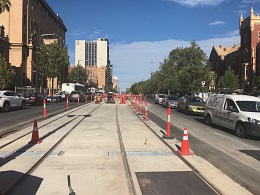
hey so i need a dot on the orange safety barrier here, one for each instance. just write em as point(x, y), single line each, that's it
point(44, 108)
point(35, 135)
point(185, 148)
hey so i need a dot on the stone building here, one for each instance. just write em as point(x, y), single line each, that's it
point(244, 58)
point(28, 24)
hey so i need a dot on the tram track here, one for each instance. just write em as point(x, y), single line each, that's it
point(196, 171)
point(33, 167)
point(27, 125)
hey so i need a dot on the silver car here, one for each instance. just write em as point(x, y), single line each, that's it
point(170, 101)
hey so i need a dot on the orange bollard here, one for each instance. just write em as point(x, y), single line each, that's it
point(140, 112)
point(35, 135)
point(67, 102)
point(44, 108)
point(185, 149)
point(146, 111)
point(168, 136)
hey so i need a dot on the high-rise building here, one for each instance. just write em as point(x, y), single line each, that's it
point(28, 24)
point(94, 56)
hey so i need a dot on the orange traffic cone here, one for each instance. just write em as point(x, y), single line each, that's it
point(185, 149)
point(35, 134)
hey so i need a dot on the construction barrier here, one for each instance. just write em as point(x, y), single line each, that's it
point(35, 135)
point(96, 99)
point(67, 102)
point(44, 108)
point(146, 111)
point(168, 136)
point(185, 148)
point(140, 110)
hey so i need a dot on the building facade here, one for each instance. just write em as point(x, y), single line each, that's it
point(243, 58)
point(94, 56)
point(28, 24)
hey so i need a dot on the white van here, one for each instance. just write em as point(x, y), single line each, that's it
point(240, 113)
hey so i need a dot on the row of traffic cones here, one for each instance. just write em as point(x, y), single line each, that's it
point(185, 148)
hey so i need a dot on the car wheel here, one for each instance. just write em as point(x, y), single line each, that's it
point(240, 130)
point(208, 120)
point(6, 107)
point(23, 105)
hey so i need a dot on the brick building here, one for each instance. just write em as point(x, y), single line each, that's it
point(28, 24)
point(244, 58)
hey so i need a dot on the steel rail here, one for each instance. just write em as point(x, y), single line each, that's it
point(45, 155)
point(196, 171)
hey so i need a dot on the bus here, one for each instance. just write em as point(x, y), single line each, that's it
point(69, 87)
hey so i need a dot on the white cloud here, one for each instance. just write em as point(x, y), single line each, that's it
point(232, 33)
point(194, 3)
point(132, 61)
point(94, 34)
point(217, 23)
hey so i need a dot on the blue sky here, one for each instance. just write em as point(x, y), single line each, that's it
point(143, 32)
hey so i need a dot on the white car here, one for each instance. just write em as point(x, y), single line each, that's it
point(10, 99)
point(240, 113)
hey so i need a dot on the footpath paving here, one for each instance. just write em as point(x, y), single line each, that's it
point(92, 156)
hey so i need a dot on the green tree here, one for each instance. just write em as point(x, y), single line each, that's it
point(229, 80)
point(5, 5)
point(184, 70)
point(7, 74)
point(78, 74)
point(53, 59)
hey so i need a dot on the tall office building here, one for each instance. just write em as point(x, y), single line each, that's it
point(28, 24)
point(94, 56)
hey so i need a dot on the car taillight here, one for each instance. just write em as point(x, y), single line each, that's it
point(34, 98)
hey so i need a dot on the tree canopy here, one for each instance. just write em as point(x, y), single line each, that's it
point(78, 74)
point(5, 5)
point(229, 80)
point(181, 73)
point(7, 74)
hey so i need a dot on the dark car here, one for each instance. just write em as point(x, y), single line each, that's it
point(191, 105)
point(74, 95)
point(54, 98)
point(34, 98)
point(110, 97)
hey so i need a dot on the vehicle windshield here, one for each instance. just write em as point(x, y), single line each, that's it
point(173, 98)
point(249, 106)
point(161, 96)
point(196, 99)
point(75, 92)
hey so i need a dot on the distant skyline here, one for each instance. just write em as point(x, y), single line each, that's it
point(142, 33)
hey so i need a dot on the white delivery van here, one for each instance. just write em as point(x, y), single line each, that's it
point(240, 113)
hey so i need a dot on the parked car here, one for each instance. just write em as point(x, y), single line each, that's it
point(34, 98)
point(63, 94)
point(74, 95)
point(240, 113)
point(54, 98)
point(158, 98)
point(10, 99)
point(191, 105)
point(170, 101)
point(110, 97)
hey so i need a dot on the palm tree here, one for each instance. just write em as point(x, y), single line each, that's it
point(5, 5)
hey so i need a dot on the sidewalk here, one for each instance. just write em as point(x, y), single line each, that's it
point(92, 157)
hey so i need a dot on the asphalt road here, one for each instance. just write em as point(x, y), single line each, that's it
point(236, 157)
point(17, 118)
